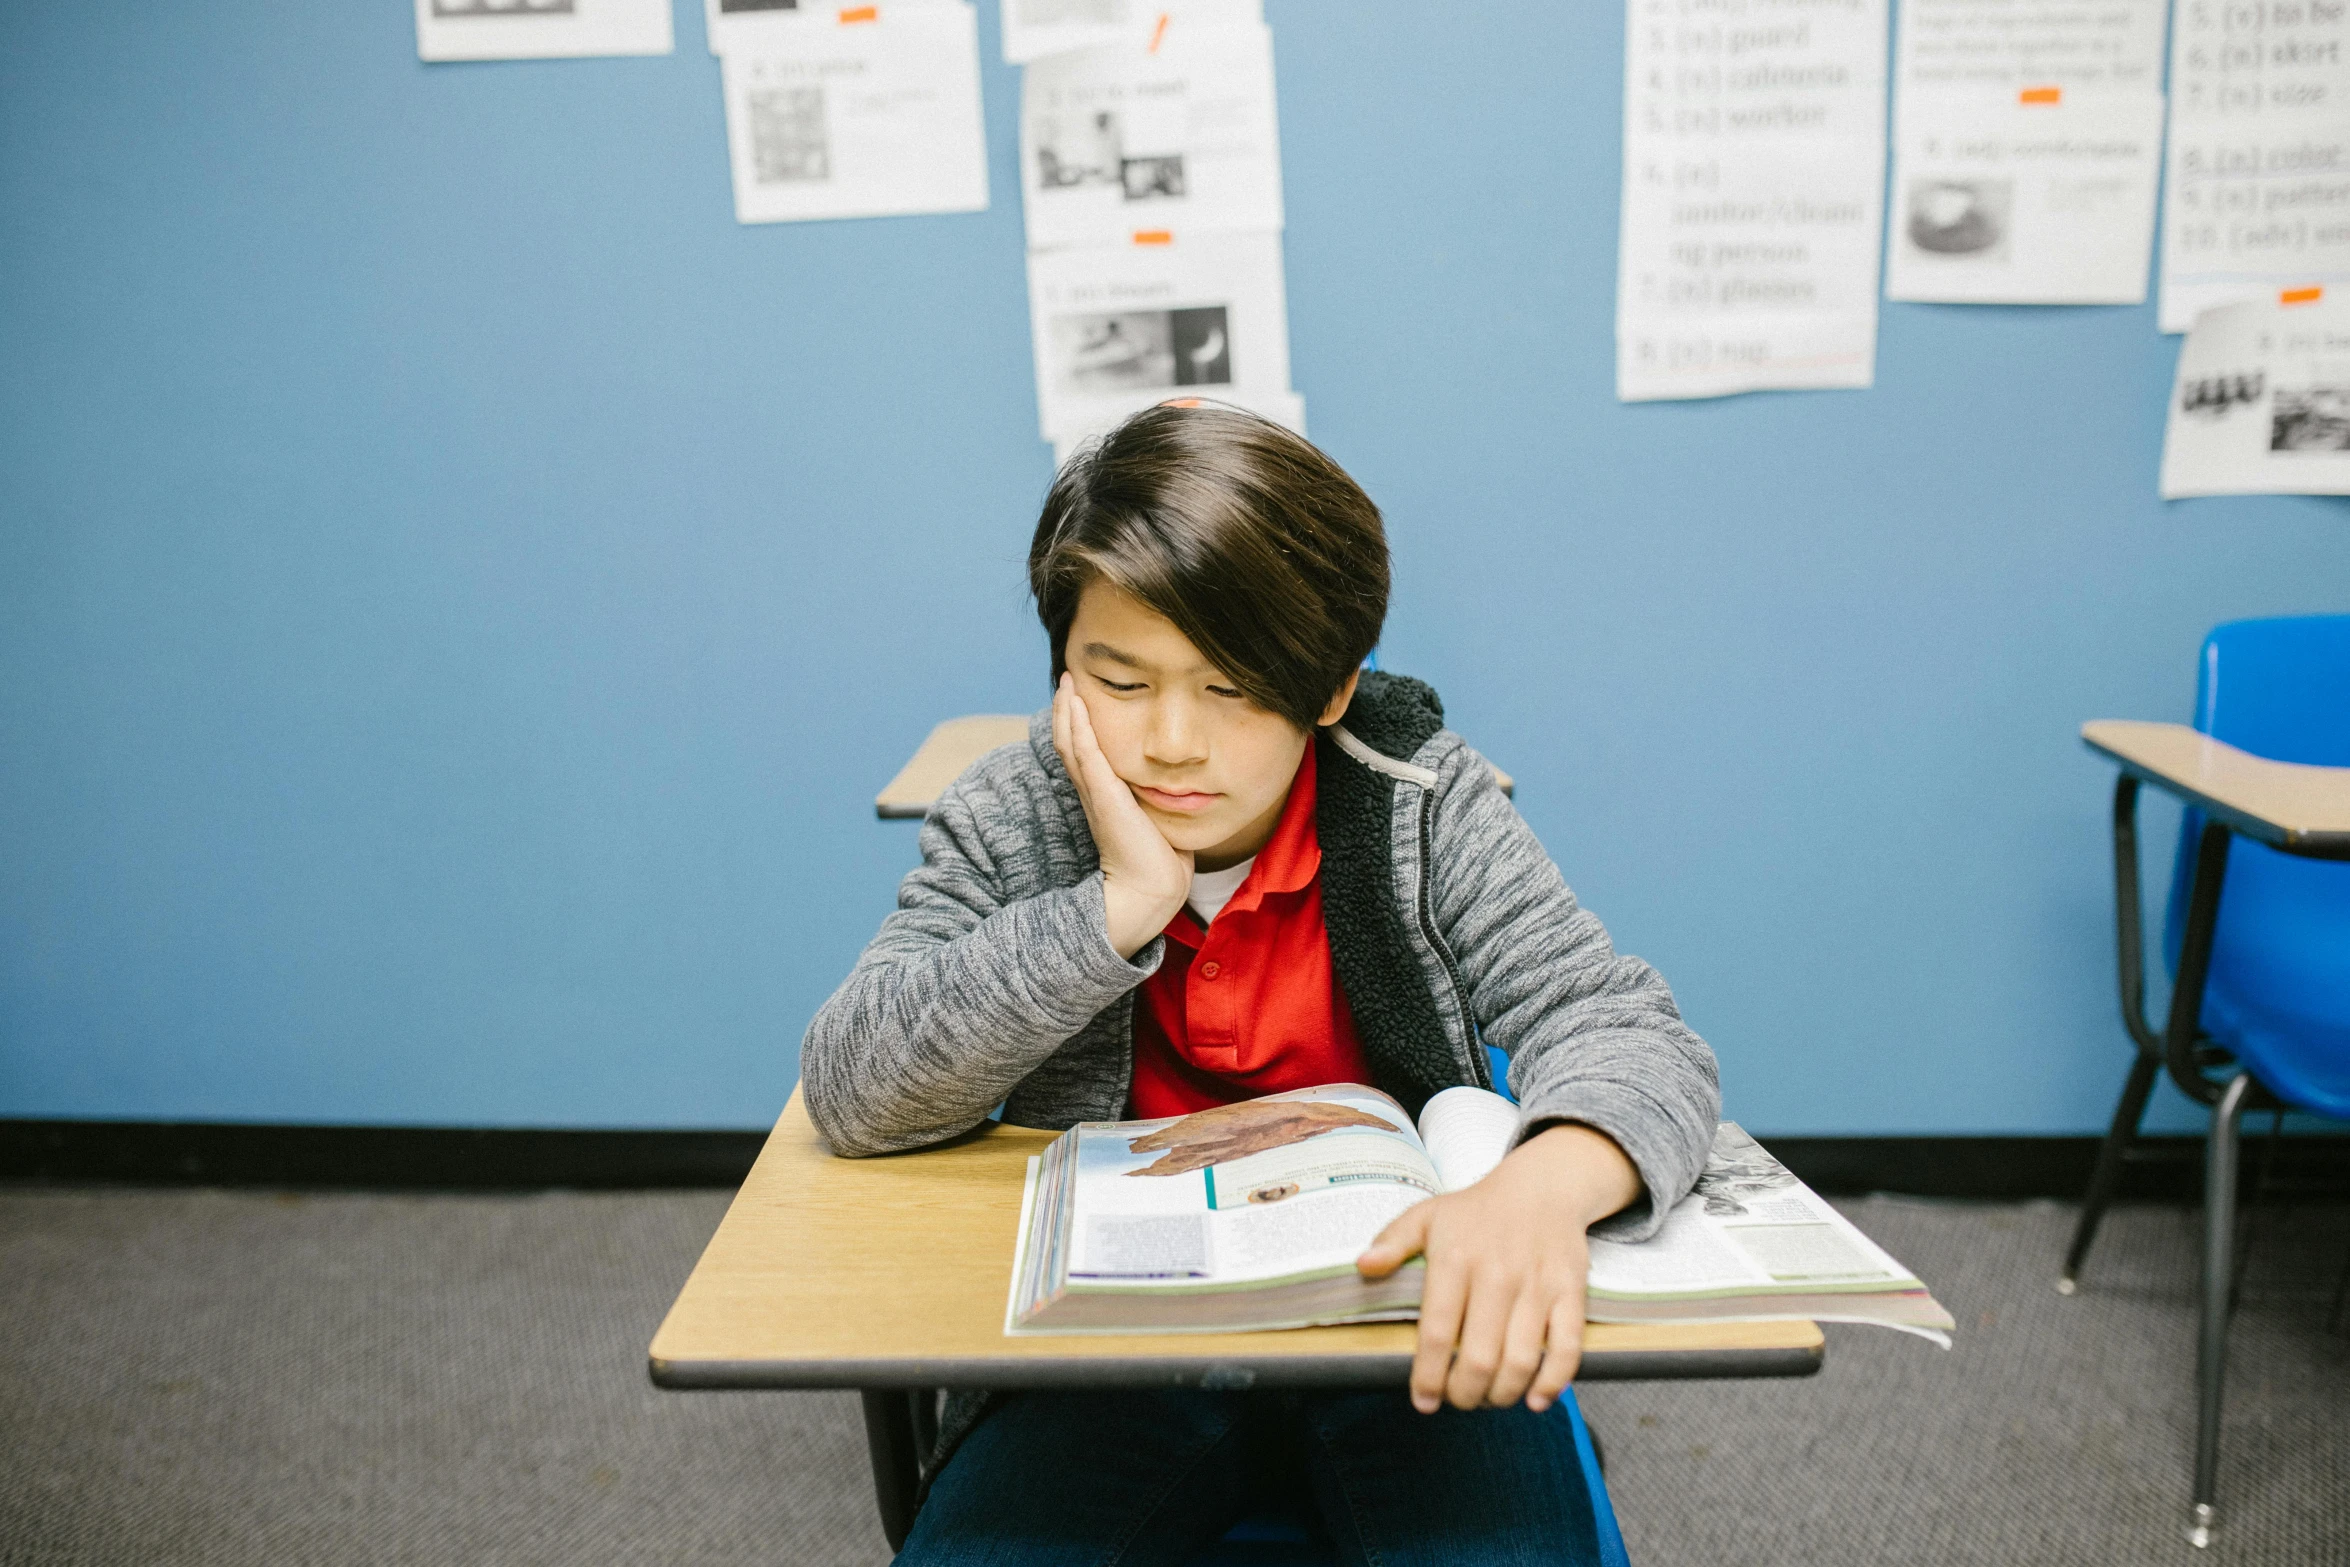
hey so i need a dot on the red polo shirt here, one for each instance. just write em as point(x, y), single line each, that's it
point(1250, 1005)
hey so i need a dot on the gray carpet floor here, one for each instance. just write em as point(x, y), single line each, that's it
point(209, 1377)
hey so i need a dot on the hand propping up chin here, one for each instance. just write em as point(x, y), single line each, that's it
point(1144, 877)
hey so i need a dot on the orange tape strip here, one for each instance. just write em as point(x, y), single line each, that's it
point(1158, 32)
point(2301, 296)
point(859, 13)
point(2040, 95)
point(1154, 237)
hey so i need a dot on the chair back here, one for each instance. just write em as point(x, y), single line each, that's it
point(2279, 688)
point(2278, 994)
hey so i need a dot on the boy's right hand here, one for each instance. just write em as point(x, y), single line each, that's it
point(1144, 877)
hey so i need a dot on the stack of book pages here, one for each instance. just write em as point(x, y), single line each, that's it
point(1251, 1215)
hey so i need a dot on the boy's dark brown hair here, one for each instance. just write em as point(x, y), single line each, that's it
point(1260, 549)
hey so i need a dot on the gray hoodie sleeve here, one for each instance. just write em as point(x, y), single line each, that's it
point(962, 993)
point(1592, 1035)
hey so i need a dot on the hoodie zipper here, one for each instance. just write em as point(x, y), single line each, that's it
point(1479, 1073)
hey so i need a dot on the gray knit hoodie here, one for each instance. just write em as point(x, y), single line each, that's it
point(994, 982)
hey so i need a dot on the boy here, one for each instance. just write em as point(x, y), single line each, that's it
point(1229, 863)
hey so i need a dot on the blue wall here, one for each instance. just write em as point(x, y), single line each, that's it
point(459, 592)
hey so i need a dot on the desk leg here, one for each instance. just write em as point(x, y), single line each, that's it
point(897, 1464)
point(2219, 1281)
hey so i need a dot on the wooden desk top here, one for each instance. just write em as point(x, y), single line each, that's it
point(2300, 809)
point(955, 745)
point(893, 1272)
point(951, 747)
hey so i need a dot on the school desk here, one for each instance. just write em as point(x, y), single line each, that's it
point(2299, 809)
point(890, 1275)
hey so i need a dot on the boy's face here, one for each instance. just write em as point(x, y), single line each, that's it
point(1210, 768)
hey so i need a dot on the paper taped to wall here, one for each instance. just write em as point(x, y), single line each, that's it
point(2259, 153)
point(2005, 47)
point(2046, 201)
point(2027, 145)
point(741, 24)
point(2262, 404)
point(540, 29)
point(873, 113)
point(1182, 137)
point(1036, 28)
point(1754, 161)
point(1118, 328)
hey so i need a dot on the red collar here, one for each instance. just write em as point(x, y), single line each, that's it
point(1289, 860)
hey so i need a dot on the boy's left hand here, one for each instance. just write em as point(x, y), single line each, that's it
point(1501, 1317)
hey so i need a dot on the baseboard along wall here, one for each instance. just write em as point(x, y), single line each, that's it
point(214, 1153)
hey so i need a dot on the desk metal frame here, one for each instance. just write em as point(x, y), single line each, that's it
point(2211, 778)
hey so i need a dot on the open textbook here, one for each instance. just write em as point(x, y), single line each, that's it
point(1251, 1215)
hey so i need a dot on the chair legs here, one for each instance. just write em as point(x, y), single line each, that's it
point(2110, 1158)
point(2220, 1164)
point(892, 1422)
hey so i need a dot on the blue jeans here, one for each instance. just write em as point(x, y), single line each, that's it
point(1156, 1477)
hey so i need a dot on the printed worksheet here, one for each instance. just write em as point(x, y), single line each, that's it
point(741, 24)
point(1036, 28)
point(1181, 137)
point(2262, 405)
point(2259, 156)
point(2003, 47)
point(540, 29)
point(1119, 327)
point(2046, 198)
point(1754, 163)
point(2027, 147)
point(865, 113)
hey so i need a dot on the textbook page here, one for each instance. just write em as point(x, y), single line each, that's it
point(736, 24)
point(1036, 28)
point(872, 114)
point(1750, 1229)
point(1117, 328)
point(1467, 1131)
point(2262, 404)
point(1181, 137)
point(2026, 151)
point(1268, 1188)
point(1754, 162)
point(1252, 1216)
point(540, 29)
point(2259, 153)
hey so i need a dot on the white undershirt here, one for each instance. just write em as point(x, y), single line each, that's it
point(1211, 890)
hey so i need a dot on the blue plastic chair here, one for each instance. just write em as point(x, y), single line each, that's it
point(2260, 1006)
point(2278, 993)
